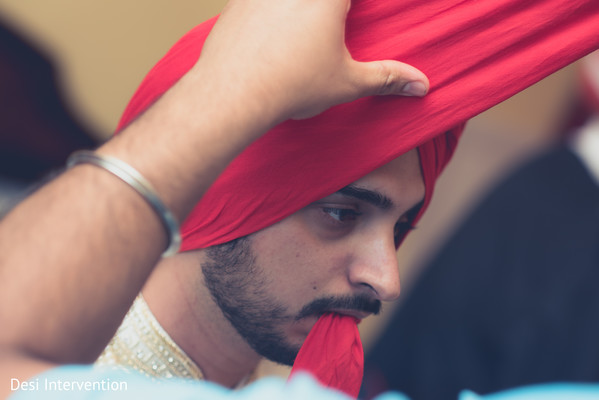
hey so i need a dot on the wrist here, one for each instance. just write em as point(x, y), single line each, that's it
point(183, 142)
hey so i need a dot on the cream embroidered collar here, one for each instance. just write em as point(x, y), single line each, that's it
point(141, 343)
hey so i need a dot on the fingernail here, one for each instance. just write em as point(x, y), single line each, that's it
point(415, 88)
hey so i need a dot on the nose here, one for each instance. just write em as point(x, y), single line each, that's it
point(375, 267)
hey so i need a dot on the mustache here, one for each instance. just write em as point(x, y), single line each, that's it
point(356, 303)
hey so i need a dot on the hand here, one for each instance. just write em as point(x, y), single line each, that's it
point(293, 54)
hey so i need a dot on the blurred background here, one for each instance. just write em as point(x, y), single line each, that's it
point(87, 58)
point(68, 68)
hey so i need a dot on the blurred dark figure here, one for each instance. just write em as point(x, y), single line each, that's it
point(37, 131)
point(513, 297)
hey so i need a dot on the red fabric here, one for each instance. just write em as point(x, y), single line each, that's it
point(589, 74)
point(475, 53)
point(332, 333)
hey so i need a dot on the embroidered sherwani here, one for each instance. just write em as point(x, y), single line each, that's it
point(142, 344)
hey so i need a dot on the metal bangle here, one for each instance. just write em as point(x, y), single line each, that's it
point(141, 185)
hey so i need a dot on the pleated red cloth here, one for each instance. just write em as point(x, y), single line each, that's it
point(333, 341)
point(475, 53)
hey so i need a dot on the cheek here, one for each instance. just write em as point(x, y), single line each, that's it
point(284, 253)
point(295, 259)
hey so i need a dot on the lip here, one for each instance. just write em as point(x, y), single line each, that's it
point(359, 315)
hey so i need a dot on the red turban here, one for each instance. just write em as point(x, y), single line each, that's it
point(475, 53)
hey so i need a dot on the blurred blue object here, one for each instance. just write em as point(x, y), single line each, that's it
point(552, 391)
point(89, 383)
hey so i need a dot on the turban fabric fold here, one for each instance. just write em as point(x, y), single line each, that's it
point(475, 53)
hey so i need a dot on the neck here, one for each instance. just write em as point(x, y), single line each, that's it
point(184, 308)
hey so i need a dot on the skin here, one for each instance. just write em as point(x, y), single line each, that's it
point(82, 278)
point(337, 254)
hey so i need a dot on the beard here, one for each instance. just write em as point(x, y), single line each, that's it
point(239, 287)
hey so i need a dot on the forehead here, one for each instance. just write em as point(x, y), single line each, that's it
point(400, 180)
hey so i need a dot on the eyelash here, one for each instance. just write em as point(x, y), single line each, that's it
point(401, 229)
point(341, 214)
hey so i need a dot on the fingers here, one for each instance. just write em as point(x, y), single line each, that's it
point(388, 78)
point(308, 68)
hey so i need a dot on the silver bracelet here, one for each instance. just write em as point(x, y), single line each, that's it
point(133, 178)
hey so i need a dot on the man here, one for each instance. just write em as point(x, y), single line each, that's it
point(77, 327)
point(262, 188)
point(259, 295)
point(98, 252)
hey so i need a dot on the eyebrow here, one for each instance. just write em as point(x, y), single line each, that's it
point(375, 198)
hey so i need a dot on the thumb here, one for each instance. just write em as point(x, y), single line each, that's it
point(388, 77)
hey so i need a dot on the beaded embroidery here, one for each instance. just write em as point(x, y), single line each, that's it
point(142, 344)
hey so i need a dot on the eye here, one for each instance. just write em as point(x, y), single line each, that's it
point(401, 229)
point(341, 215)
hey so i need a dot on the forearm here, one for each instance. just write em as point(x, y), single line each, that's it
point(87, 235)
